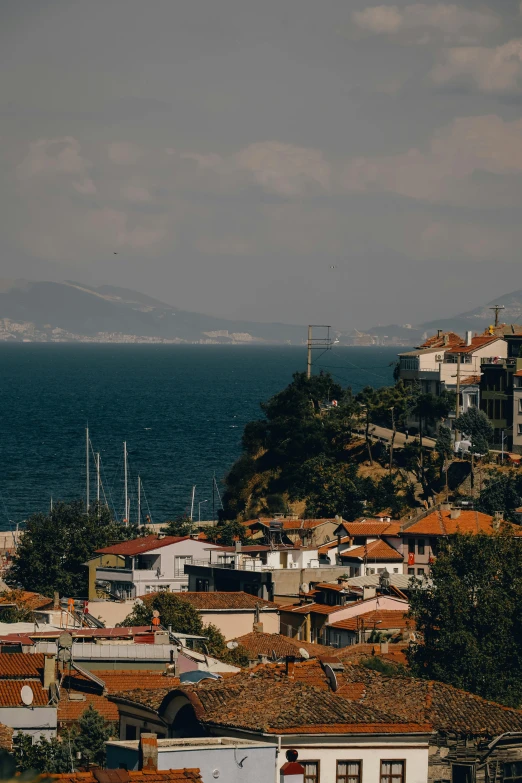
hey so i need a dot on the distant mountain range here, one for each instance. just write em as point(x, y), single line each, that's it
point(70, 311)
point(474, 320)
point(43, 311)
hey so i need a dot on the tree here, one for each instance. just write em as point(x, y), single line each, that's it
point(54, 547)
point(502, 492)
point(470, 619)
point(476, 425)
point(46, 755)
point(217, 647)
point(182, 526)
point(444, 448)
point(173, 611)
point(19, 612)
point(93, 733)
point(227, 534)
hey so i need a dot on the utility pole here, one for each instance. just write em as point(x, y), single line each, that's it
point(87, 468)
point(316, 343)
point(497, 308)
point(126, 482)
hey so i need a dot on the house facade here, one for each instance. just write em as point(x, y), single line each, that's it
point(149, 565)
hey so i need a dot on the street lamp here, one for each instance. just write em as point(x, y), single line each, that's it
point(199, 508)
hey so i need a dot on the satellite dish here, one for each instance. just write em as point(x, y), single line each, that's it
point(330, 675)
point(27, 695)
point(304, 653)
point(65, 640)
point(232, 645)
point(305, 587)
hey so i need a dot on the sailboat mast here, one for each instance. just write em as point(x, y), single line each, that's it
point(213, 497)
point(126, 484)
point(192, 503)
point(98, 482)
point(139, 501)
point(87, 499)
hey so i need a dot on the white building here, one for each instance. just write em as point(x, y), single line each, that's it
point(150, 564)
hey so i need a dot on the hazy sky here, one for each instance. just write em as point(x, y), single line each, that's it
point(232, 151)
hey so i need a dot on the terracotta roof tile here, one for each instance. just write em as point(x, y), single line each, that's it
point(21, 665)
point(438, 341)
point(440, 523)
point(138, 546)
point(130, 679)
point(71, 710)
point(258, 644)
point(24, 598)
point(119, 776)
point(316, 609)
point(375, 550)
point(383, 618)
point(10, 691)
point(221, 600)
point(372, 527)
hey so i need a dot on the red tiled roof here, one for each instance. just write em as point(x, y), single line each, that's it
point(372, 527)
point(130, 679)
point(471, 379)
point(10, 691)
point(258, 644)
point(316, 609)
point(476, 343)
point(71, 710)
point(330, 586)
point(437, 341)
point(24, 598)
point(383, 618)
point(440, 523)
point(138, 546)
point(221, 600)
point(122, 776)
point(325, 548)
point(304, 524)
point(375, 550)
point(21, 665)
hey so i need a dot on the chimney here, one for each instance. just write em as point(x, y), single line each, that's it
point(446, 339)
point(257, 627)
point(49, 671)
point(455, 513)
point(149, 752)
point(469, 338)
point(263, 658)
point(292, 771)
point(384, 647)
point(497, 519)
point(237, 546)
point(445, 506)
point(290, 665)
point(439, 332)
point(56, 604)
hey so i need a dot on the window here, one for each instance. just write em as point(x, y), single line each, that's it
point(513, 772)
point(411, 572)
point(420, 546)
point(420, 571)
point(348, 772)
point(462, 773)
point(359, 540)
point(434, 545)
point(201, 585)
point(520, 404)
point(520, 429)
point(163, 588)
point(411, 545)
point(130, 732)
point(311, 774)
point(392, 771)
point(395, 570)
point(180, 562)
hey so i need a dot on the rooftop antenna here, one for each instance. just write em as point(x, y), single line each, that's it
point(323, 343)
point(497, 309)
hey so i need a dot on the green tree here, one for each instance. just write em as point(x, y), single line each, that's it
point(502, 492)
point(46, 755)
point(476, 425)
point(217, 647)
point(227, 533)
point(93, 733)
point(173, 611)
point(53, 548)
point(470, 620)
point(182, 526)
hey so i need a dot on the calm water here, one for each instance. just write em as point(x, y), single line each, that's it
point(181, 409)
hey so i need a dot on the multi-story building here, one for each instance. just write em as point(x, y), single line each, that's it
point(149, 565)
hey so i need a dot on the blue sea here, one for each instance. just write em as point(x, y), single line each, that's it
point(181, 410)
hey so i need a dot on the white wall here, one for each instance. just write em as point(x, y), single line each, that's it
point(371, 753)
point(35, 721)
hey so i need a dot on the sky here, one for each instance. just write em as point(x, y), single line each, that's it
point(344, 161)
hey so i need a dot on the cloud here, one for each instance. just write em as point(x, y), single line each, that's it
point(86, 186)
point(490, 70)
point(443, 172)
point(422, 21)
point(53, 156)
point(282, 169)
point(124, 153)
point(136, 194)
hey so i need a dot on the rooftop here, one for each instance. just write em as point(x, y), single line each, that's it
point(372, 527)
point(383, 618)
point(271, 644)
point(138, 546)
point(122, 776)
point(440, 523)
point(222, 601)
point(375, 550)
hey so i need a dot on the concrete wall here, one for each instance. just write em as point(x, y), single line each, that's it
point(36, 721)
point(258, 764)
point(286, 581)
point(111, 612)
point(232, 624)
